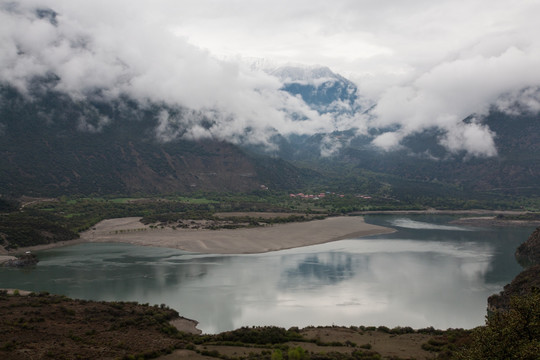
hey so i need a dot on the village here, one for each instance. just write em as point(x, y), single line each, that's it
point(323, 195)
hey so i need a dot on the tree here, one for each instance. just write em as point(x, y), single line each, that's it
point(277, 355)
point(297, 354)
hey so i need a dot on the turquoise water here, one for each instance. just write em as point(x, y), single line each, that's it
point(428, 273)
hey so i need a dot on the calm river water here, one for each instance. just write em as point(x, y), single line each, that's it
point(428, 273)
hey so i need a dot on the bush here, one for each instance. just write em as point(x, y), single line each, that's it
point(366, 355)
point(297, 354)
point(384, 329)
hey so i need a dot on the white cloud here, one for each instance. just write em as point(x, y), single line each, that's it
point(475, 138)
point(427, 64)
point(151, 64)
point(389, 140)
point(444, 96)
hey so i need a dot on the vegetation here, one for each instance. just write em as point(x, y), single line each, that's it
point(89, 329)
point(529, 216)
point(512, 334)
point(258, 335)
point(528, 253)
point(43, 326)
point(43, 221)
point(40, 325)
point(8, 205)
point(33, 227)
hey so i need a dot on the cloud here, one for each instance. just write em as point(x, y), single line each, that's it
point(451, 91)
point(426, 64)
point(221, 99)
point(475, 138)
point(522, 101)
point(388, 140)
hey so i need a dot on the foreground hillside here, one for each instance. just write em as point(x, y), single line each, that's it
point(43, 326)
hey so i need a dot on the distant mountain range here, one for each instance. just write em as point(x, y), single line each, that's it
point(53, 144)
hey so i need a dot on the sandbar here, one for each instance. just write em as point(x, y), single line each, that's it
point(6, 258)
point(228, 241)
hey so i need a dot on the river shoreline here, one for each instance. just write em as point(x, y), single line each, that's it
point(493, 221)
point(440, 212)
point(261, 239)
point(5, 258)
point(230, 241)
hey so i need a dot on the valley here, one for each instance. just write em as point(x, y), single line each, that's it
point(284, 180)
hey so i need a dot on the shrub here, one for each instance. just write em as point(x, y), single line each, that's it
point(297, 354)
point(384, 329)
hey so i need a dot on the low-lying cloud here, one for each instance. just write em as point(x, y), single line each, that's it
point(452, 91)
point(224, 100)
point(126, 48)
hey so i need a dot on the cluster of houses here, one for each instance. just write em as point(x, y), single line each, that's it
point(314, 196)
point(363, 197)
point(323, 195)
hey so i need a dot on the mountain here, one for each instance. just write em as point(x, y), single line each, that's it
point(320, 88)
point(51, 144)
point(328, 93)
point(514, 171)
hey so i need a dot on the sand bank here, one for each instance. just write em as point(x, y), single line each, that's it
point(6, 258)
point(493, 221)
point(186, 325)
point(235, 241)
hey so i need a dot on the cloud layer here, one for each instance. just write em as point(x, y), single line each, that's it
point(426, 64)
point(150, 64)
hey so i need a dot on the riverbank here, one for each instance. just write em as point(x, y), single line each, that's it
point(5, 258)
point(493, 221)
point(226, 241)
point(440, 212)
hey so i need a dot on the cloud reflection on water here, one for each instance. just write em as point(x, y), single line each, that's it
point(374, 283)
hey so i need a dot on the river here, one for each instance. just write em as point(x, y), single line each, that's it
point(428, 273)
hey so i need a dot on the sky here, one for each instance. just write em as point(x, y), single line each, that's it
point(426, 64)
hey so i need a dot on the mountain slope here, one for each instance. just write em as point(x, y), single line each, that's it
point(515, 170)
point(51, 144)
